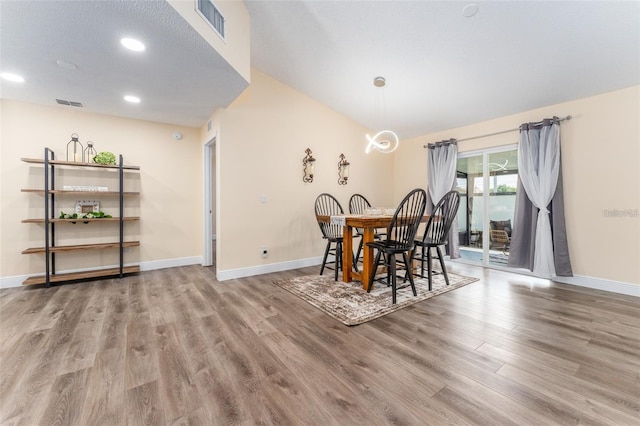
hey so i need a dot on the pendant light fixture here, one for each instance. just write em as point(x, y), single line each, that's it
point(385, 141)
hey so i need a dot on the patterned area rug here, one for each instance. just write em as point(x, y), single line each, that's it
point(351, 305)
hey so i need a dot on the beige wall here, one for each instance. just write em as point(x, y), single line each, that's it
point(261, 140)
point(601, 163)
point(170, 182)
point(262, 137)
point(235, 48)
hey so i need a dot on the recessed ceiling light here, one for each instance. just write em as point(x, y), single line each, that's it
point(12, 77)
point(132, 99)
point(66, 64)
point(132, 44)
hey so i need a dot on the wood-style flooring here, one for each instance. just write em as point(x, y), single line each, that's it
point(176, 346)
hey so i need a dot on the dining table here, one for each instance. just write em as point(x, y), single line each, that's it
point(368, 224)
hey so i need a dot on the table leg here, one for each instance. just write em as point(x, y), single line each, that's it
point(367, 260)
point(347, 254)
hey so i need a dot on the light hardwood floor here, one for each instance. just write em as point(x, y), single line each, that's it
point(177, 347)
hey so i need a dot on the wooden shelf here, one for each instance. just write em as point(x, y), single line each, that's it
point(40, 279)
point(76, 164)
point(60, 249)
point(82, 220)
point(50, 222)
point(68, 191)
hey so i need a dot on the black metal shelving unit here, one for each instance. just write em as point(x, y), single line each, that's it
point(50, 248)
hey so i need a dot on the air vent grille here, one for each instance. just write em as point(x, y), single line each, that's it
point(212, 15)
point(69, 103)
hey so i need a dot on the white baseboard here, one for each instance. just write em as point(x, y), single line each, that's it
point(16, 281)
point(170, 263)
point(601, 284)
point(619, 287)
point(230, 274)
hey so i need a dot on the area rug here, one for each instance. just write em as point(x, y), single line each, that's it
point(351, 305)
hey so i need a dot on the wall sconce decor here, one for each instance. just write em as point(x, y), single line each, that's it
point(307, 166)
point(343, 170)
point(75, 150)
point(89, 152)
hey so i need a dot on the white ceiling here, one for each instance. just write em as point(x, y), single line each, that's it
point(180, 78)
point(443, 69)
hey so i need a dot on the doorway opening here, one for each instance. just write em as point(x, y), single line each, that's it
point(209, 243)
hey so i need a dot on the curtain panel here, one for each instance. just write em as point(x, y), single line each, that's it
point(539, 240)
point(442, 160)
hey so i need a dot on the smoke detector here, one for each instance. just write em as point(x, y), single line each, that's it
point(379, 82)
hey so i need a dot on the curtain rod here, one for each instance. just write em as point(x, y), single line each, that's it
point(568, 117)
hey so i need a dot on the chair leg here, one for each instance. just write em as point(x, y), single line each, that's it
point(355, 260)
point(373, 273)
point(429, 270)
point(324, 259)
point(444, 269)
point(422, 249)
point(392, 272)
point(413, 285)
point(387, 261)
point(338, 260)
point(409, 266)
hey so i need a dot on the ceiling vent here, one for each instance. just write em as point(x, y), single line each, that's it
point(69, 103)
point(212, 15)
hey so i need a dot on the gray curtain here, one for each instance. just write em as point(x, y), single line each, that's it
point(442, 161)
point(522, 252)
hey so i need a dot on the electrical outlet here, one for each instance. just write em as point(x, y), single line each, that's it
point(264, 252)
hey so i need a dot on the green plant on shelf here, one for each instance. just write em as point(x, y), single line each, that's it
point(96, 215)
point(64, 215)
point(105, 157)
point(90, 215)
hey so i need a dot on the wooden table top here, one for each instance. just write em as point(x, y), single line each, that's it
point(361, 221)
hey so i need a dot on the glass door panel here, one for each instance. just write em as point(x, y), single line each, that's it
point(502, 168)
point(471, 212)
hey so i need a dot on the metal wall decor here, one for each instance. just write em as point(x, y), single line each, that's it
point(89, 152)
point(75, 150)
point(343, 170)
point(307, 166)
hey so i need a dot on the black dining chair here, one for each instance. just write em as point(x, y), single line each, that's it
point(401, 233)
point(328, 205)
point(358, 204)
point(436, 234)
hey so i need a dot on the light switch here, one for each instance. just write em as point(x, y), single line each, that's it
point(263, 198)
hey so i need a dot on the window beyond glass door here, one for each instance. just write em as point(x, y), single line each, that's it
point(471, 211)
point(502, 168)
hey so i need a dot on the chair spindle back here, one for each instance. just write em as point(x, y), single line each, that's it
point(328, 205)
point(406, 220)
point(440, 221)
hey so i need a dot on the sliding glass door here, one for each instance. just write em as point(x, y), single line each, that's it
point(487, 183)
